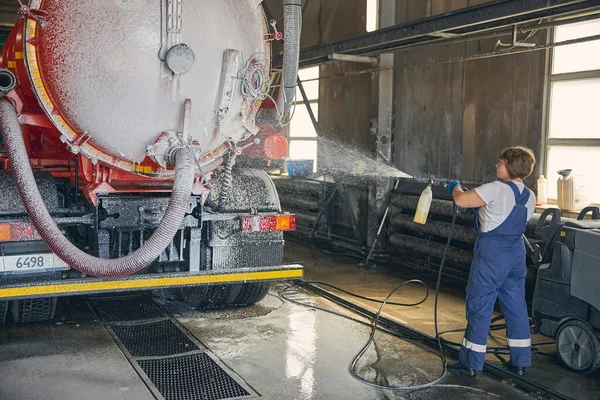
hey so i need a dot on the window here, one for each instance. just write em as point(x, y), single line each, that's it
point(302, 134)
point(574, 121)
point(372, 11)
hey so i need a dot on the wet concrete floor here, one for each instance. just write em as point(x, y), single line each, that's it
point(282, 350)
point(344, 273)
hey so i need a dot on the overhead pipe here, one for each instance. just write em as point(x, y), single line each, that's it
point(51, 233)
point(292, 28)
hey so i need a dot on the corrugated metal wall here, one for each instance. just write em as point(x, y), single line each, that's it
point(452, 119)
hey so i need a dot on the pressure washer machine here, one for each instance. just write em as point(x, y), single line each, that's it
point(566, 301)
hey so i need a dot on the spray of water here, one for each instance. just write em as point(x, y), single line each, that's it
point(339, 159)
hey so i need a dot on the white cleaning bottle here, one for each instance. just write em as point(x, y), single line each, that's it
point(424, 205)
point(542, 190)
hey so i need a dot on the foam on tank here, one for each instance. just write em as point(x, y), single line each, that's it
point(101, 68)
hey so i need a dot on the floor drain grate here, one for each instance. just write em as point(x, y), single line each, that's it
point(173, 364)
point(156, 339)
point(122, 309)
point(191, 377)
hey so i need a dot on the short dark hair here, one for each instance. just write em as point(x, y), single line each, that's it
point(520, 161)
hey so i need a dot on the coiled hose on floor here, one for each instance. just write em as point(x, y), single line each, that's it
point(51, 233)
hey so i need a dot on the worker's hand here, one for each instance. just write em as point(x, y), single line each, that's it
point(450, 187)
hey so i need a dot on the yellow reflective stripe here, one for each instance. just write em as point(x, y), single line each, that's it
point(18, 55)
point(12, 64)
point(518, 342)
point(95, 286)
point(479, 348)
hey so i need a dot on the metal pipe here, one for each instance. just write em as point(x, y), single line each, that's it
point(572, 20)
point(51, 233)
point(461, 233)
point(428, 247)
point(462, 58)
point(292, 20)
point(300, 203)
point(439, 207)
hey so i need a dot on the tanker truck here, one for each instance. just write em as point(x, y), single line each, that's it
point(121, 123)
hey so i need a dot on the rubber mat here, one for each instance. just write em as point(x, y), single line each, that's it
point(171, 362)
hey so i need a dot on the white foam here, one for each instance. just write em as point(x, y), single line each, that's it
point(106, 77)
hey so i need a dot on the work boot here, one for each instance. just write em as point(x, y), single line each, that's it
point(459, 368)
point(517, 370)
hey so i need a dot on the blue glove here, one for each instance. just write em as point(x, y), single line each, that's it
point(450, 187)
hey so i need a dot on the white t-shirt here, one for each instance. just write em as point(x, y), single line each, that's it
point(499, 202)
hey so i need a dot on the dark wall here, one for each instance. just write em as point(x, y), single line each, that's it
point(344, 103)
point(452, 119)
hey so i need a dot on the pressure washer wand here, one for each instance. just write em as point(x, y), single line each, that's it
point(387, 211)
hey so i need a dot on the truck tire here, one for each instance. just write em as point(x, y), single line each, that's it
point(578, 346)
point(33, 310)
point(250, 190)
point(208, 297)
point(251, 293)
point(3, 311)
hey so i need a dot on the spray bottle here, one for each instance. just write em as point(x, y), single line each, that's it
point(424, 204)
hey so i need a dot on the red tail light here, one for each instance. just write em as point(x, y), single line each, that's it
point(268, 223)
point(18, 232)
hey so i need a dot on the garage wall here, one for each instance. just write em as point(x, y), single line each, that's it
point(344, 103)
point(453, 119)
point(8, 12)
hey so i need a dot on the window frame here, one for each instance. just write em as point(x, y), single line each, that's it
point(548, 141)
point(299, 101)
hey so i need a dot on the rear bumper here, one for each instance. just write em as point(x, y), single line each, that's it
point(148, 282)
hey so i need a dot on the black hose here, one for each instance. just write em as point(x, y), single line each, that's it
point(497, 351)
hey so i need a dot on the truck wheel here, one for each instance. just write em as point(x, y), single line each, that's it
point(3, 311)
point(250, 190)
point(578, 347)
point(251, 293)
point(206, 297)
point(33, 310)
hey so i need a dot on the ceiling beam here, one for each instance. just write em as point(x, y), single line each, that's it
point(463, 22)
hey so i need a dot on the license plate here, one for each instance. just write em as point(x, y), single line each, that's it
point(33, 263)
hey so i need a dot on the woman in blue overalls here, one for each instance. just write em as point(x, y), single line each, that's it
point(498, 271)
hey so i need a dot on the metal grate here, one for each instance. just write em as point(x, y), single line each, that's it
point(192, 377)
point(155, 339)
point(121, 309)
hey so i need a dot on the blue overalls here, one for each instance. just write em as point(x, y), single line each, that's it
point(498, 272)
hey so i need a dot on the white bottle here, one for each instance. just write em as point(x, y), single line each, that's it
point(572, 192)
point(424, 205)
point(542, 190)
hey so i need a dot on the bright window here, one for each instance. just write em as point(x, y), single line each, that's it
point(372, 11)
point(574, 118)
point(303, 136)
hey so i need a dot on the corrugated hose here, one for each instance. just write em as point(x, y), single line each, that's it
point(51, 233)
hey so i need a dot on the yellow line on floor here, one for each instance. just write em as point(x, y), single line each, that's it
point(102, 286)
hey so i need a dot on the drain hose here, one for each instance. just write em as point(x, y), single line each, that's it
point(292, 27)
point(51, 233)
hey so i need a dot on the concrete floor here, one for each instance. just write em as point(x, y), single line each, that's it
point(282, 350)
point(378, 283)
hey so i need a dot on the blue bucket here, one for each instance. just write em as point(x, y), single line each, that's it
point(299, 167)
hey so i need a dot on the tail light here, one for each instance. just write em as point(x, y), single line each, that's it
point(18, 232)
point(268, 223)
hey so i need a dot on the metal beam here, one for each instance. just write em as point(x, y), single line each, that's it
point(483, 17)
point(354, 59)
